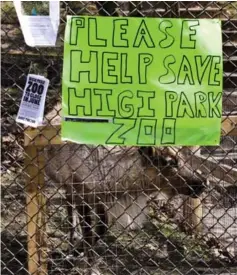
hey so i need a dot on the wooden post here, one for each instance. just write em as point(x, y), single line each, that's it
point(192, 208)
point(36, 209)
point(192, 211)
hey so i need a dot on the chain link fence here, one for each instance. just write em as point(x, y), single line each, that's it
point(104, 230)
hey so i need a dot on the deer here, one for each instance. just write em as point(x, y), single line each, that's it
point(108, 184)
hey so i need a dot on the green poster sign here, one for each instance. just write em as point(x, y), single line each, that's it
point(142, 81)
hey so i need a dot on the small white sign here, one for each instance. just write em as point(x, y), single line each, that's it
point(39, 21)
point(31, 110)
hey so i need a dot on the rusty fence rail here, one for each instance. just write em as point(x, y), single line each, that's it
point(44, 215)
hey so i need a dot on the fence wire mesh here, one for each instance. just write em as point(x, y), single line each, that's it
point(100, 217)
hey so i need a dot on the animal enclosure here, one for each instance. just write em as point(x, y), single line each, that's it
point(70, 208)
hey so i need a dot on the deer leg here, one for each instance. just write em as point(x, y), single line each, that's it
point(102, 225)
point(86, 226)
point(74, 237)
point(70, 219)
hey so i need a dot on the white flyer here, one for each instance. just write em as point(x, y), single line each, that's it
point(39, 21)
point(31, 110)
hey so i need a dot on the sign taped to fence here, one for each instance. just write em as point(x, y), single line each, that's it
point(31, 110)
point(142, 81)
